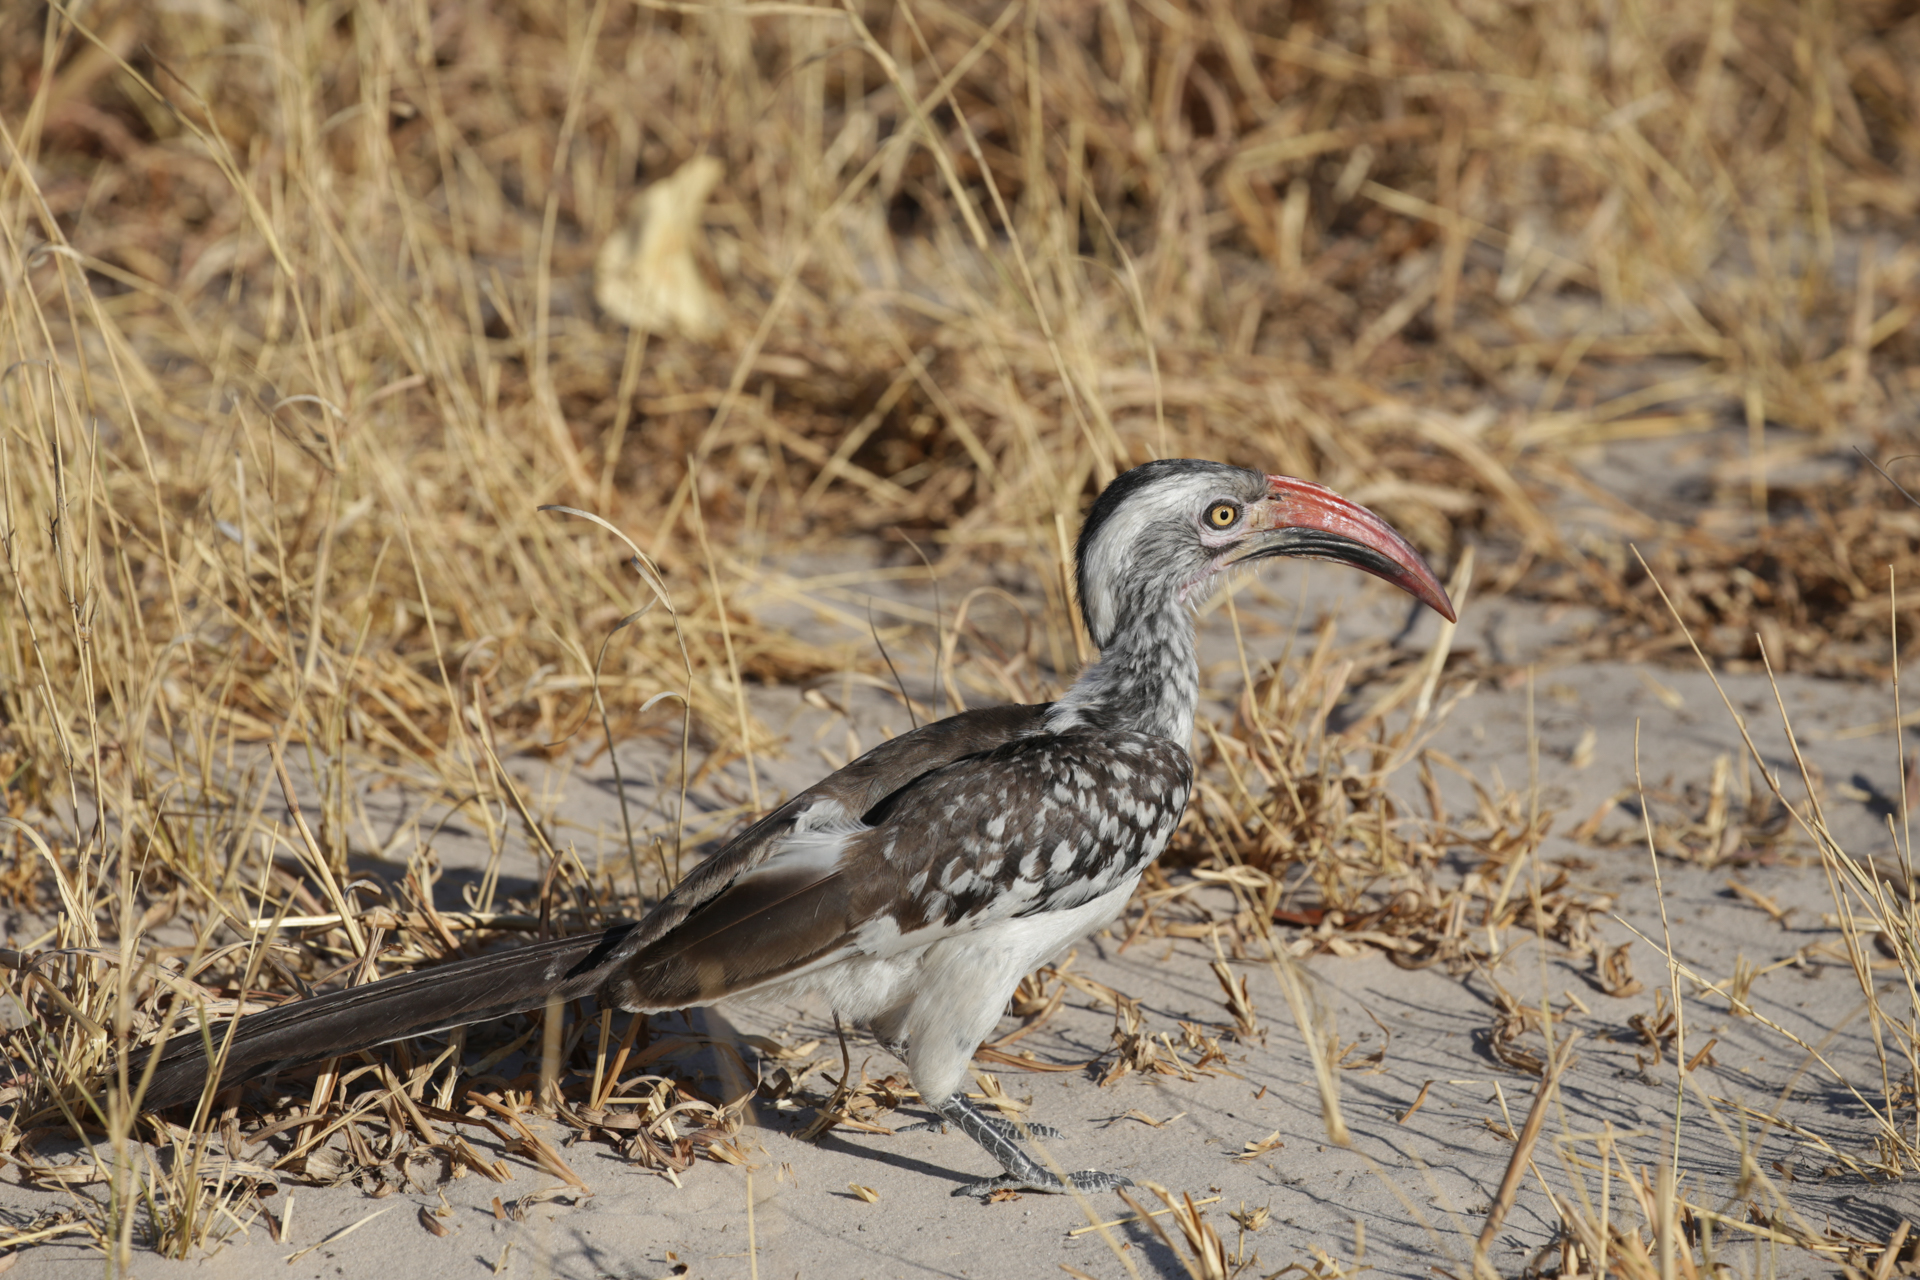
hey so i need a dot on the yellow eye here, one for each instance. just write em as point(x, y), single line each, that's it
point(1222, 515)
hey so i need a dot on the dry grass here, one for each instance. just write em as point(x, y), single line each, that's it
point(1654, 1225)
point(297, 336)
point(1808, 587)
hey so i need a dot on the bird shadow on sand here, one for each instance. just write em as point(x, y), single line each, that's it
point(879, 1154)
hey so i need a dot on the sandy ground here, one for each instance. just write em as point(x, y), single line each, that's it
point(1409, 1194)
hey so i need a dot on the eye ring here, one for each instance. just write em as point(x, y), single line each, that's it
point(1223, 515)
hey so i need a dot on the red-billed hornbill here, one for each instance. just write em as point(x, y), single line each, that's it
point(913, 888)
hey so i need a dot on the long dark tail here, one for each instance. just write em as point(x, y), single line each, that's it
point(411, 1004)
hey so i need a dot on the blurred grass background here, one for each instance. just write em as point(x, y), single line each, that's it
point(300, 328)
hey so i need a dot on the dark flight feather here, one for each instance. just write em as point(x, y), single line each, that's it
point(525, 978)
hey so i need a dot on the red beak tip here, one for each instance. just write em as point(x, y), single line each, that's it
point(1316, 506)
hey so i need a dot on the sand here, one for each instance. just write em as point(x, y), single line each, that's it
point(1245, 1134)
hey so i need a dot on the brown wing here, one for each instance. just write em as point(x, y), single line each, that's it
point(1038, 824)
point(500, 983)
point(842, 798)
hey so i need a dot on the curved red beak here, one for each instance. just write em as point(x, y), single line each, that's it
point(1308, 521)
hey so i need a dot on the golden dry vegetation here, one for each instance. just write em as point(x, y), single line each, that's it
point(300, 331)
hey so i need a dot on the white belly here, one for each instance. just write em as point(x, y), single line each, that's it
point(947, 992)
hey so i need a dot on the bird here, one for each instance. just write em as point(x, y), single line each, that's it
point(914, 887)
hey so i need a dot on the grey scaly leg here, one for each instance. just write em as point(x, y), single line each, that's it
point(1023, 1172)
point(895, 1043)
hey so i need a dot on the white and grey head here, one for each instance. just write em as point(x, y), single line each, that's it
point(1161, 537)
point(1162, 534)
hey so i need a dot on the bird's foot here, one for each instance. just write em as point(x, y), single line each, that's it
point(1020, 1171)
point(1005, 1128)
point(1087, 1180)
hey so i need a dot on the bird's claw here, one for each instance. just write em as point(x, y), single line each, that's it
point(1087, 1180)
point(1033, 1129)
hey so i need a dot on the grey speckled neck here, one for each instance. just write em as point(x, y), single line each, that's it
point(1147, 681)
